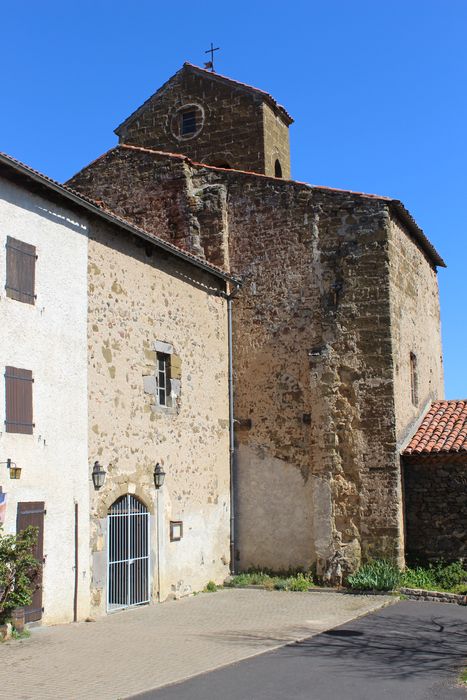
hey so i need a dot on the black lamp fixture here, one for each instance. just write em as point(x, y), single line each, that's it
point(98, 475)
point(159, 476)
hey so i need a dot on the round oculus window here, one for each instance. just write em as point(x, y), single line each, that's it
point(187, 122)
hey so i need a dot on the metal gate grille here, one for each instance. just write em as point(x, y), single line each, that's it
point(128, 553)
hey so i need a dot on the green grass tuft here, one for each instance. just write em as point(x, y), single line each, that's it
point(378, 575)
point(271, 581)
point(210, 587)
point(382, 575)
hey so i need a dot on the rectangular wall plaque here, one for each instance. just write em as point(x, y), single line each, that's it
point(176, 530)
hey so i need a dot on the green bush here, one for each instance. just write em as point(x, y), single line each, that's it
point(18, 571)
point(300, 582)
point(379, 575)
point(210, 587)
point(450, 575)
point(419, 577)
point(280, 584)
point(440, 576)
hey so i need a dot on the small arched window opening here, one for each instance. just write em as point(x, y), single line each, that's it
point(413, 379)
point(277, 168)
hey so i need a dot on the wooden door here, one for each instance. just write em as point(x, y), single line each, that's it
point(32, 513)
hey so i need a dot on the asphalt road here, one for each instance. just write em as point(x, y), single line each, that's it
point(409, 651)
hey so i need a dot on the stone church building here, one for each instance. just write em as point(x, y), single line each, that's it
point(336, 328)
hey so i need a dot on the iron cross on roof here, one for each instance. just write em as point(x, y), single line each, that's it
point(210, 64)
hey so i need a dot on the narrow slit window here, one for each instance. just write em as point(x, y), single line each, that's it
point(277, 169)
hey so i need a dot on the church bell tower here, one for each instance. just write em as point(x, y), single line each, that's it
point(214, 120)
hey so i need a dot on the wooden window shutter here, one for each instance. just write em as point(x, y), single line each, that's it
point(32, 513)
point(20, 270)
point(18, 400)
point(175, 369)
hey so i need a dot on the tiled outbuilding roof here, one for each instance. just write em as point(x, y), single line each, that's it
point(443, 430)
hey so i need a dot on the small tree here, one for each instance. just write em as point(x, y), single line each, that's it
point(18, 570)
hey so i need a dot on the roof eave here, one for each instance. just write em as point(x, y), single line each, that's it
point(139, 109)
point(249, 88)
point(92, 208)
point(417, 233)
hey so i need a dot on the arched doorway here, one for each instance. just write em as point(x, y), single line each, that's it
point(128, 553)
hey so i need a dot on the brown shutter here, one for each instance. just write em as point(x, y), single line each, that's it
point(175, 367)
point(32, 513)
point(20, 270)
point(18, 400)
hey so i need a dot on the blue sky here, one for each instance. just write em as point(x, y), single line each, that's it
point(377, 90)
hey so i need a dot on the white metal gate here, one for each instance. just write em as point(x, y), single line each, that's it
point(127, 553)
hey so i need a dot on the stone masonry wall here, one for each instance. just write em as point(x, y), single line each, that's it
point(313, 373)
point(139, 297)
point(436, 509)
point(415, 328)
point(276, 143)
point(232, 131)
point(317, 454)
point(151, 191)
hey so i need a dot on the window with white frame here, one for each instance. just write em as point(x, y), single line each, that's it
point(163, 379)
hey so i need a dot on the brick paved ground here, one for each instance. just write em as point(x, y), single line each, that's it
point(143, 648)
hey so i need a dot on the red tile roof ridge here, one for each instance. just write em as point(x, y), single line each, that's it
point(397, 205)
point(213, 74)
point(181, 156)
point(443, 430)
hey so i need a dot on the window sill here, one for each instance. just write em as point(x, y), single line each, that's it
point(167, 410)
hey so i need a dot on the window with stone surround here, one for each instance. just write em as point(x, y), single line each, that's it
point(162, 378)
point(413, 379)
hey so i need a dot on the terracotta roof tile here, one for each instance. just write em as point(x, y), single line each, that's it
point(442, 431)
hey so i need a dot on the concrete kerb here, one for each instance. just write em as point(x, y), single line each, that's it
point(422, 594)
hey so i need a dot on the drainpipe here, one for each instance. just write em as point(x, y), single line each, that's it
point(230, 298)
point(75, 596)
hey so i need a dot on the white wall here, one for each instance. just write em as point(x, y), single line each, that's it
point(49, 338)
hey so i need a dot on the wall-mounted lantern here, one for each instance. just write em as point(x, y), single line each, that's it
point(98, 475)
point(15, 472)
point(159, 476)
